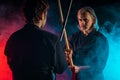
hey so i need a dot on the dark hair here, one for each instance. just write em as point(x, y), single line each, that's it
point(34, 9)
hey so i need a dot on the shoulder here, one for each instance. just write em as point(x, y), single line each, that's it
point(101, 36)
point(15, 34)
point(102, 39)
point(49, 35)
point(74, 35)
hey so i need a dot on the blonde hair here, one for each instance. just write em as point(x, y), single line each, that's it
point(92, 12)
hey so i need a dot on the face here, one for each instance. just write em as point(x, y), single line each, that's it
point(85, 21)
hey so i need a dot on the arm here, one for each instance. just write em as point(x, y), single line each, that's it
point(101, 54)
point(60, 60)
point(9, 50)
point(97, 56)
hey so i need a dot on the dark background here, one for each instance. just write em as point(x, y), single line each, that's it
point(13, 8)
point(107, 11)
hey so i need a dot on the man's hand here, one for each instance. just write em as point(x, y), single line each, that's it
point(68, 54)
point(76, 69)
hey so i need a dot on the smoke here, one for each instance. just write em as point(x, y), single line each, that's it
point(109, 18)
point(10, 21)
point(109, 21)
point(111, 29)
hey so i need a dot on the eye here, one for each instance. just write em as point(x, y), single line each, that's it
point(80, 19)
point(86, 20)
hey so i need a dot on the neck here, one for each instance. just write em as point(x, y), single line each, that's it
point(39, 24)
point(86, 32)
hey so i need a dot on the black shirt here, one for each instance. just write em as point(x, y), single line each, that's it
point(91, 50)
point(32, 52)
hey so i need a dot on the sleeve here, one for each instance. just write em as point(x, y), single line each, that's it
point(98, 55)
point(10, 49)
point(101, 54)
point(60, 60)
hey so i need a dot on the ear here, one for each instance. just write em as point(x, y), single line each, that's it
point(39, 16)
point(42, 16)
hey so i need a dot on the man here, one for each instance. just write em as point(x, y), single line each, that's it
point(89, 47)
point(32, 53)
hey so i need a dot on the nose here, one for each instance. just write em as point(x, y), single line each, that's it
point(82, 22)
